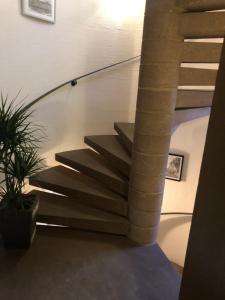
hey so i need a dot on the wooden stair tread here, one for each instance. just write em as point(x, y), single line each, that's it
point(194, 98)
point(197, 77)
point(111, 149)
point(64, 211)
point(90, 159)
point(181, 115)
point(203, 25)
point(185, 115)
point(92, 164)
point(58, 205)
point(201, 52)
point(202, 5)
point(74, 184)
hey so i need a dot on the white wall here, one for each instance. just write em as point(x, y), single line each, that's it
point(189, 140)
point(37, 56)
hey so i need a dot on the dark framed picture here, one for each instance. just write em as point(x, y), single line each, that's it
point(40, 9)
point(174, 167)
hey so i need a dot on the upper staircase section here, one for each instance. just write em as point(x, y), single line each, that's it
point(200, 58)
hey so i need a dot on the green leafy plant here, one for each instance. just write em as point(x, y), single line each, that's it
point(19, 159)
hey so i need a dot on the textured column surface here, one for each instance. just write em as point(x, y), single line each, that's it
point(204, 271)
point(154, 117)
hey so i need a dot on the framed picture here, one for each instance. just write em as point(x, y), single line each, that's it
point(174, 167)
point(40, 9)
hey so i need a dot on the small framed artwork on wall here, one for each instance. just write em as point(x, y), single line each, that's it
point(174, 167)
point(40, 9)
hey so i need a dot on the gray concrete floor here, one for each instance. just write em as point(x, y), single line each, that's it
point(67, 264)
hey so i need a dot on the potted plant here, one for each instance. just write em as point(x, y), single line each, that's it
point(19, 143)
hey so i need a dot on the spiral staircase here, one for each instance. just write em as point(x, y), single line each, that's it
point(88, 189)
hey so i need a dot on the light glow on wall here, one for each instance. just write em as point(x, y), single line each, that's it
point(120, 10)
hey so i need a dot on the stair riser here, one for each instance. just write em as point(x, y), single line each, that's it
point(115, 161)
point(86, 199)
point(182, 116)
point(125, 142)
point(203, 25)
point(96, 226)
point(111, 183)
point(125, 135)
point(194, 99)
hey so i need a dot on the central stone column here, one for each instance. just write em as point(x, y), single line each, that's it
point(159, 72)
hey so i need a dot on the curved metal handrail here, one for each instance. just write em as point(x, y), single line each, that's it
point(176, 213)
point(74, 81)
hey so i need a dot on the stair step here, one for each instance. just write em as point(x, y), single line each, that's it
point(126, 130)
point(65, 211)
point(185, 115)
point(109, 147)
point(94, 165)
point(203, 24)
point(197, 77)
point(202, 5)
point(126, 134)
point(82, 188)
point(199, 52)
point(194, 99)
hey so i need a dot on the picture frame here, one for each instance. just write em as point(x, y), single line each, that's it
point(174, 167)
point(41, 9)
